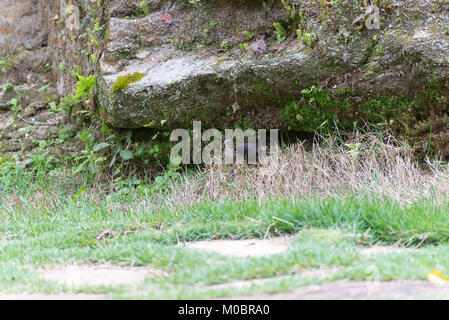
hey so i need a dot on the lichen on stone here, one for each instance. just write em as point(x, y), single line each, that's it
point(124, 81)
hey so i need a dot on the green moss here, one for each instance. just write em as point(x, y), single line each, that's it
point(318, 107)
point(261, 86)
point(422, 119)
point(392, 108)
point(124, 81)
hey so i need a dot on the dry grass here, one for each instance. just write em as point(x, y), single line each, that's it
point(361, 163)
point(372, 163)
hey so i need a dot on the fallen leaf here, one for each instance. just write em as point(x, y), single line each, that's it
point(437, 277)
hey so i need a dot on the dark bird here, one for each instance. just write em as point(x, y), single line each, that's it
point(250, 152)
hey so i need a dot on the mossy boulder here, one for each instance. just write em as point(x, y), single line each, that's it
point(227, 62)
point(190, 74)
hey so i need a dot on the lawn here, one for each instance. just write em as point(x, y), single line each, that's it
point(328, 233)
point(371, 217)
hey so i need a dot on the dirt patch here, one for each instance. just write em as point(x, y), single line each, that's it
point(244, 248)
point(383, 249)
point(243, 284)
point(94, 275)
point(38, 296)
point(320, 273)
point(345, 290)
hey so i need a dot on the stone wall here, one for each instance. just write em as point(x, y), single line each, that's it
point(43, 44)
point(26, 68)
point(221, 62)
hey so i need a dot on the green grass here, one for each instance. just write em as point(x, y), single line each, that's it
point(55, 230)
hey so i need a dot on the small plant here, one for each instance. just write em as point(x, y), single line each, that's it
point(305, 38)
point(144, 7)
point(280, 32)
point(288, 8)
point(122, 150)
point(308, 39)
point(83, 92)
point(85, 86)
point(161, 182)
point(15, 106)
point(210, 27)
point(225, 45)
point(54, 108)
point(246, 47)
point(353, 149)
point(42, 162)
point(249, 35)
point(90, 159)
point(299, 34)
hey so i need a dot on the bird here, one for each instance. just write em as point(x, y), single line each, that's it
point(250, 152)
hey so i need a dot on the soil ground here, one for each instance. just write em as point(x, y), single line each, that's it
point(112, 275)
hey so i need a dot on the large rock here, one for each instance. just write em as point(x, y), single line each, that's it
point(192, 64)
point(195, 66)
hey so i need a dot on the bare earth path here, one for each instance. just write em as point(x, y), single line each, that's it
point(112, 275)
point(345, 290)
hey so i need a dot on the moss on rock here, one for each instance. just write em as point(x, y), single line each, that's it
point(124, 81)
